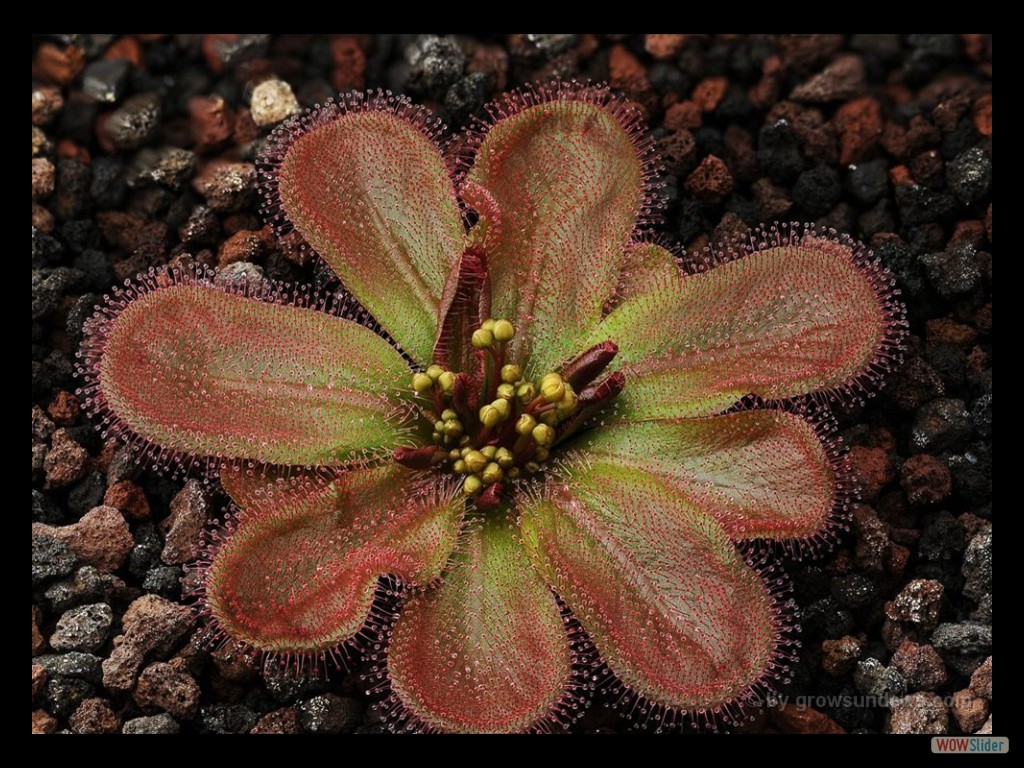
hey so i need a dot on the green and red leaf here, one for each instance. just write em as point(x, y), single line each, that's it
point(486, 651)
point(365, 184)
point(564, 174)
point(801, 314)
point(194, 369)
point(298, 574)
point(672, 607)
point(761, 473)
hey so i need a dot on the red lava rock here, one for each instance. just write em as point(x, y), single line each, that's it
point(741, 153)
point(919, 602)
point(842, 79)
point(121, 667)
point(491, 60)
point(873, 469)
point(625, 72)
point(663, 47)
point(859, 124)
point(805, 52)
point(43, 722)
point(709, 93)
point(235, 666)
point(42, 219)
point(94, 716)
point(947, 113)
point(710, 181)
point(920, 665)
point(101, 538)
point(903, 142)
point(151, 625)
point(683, 114)
point(919, 713)
point(169, 687)
point(678, 151)
point(226, 185)
point(66, 462)
point(38, 642)
point(184, 526)
point(46, 103)
point(58, 65)
point(129, 498)
point(38, 680)
point(210, 121)
point(765, 93)
point(981, 114)
point(981, 680)
point(43, 174)
point(772, 201)
point(969, 711)
point(246, 130)
point(789, 718)
point(970, 232)
point(279, 721)
point(125, 47)
point(349, 64)
point(926, 480)
point(839, 656)
point(64, 408)
point(241, 246)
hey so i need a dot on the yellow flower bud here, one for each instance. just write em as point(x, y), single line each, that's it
point(439, 426)
point(434, 371)
point(526, 392)
point(487, 325)
point(459, 467)
point(504, 458)
point(542, 454)
point(506, 391)
point(489, 451)
point(489, 416)
point(532, 467)
point(453, 428)
point(454, 454)
point(511, 373)
point(475, 461)
point(491, 474)
point(448, 414)
point(543, 434)
point(549, 417)
point(421, 382)
point(438, 437)
point(502, 407)
point(525, 424)
point(472, 485)
point(446, 380)
point(552, 387)
point(482, 339)
point(512, 474)
point(503, 330)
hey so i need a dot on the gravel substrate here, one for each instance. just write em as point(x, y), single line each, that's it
point(142, 155)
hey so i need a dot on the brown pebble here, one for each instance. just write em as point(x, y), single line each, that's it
point(58, 65)
point(919, 602)
point(244, 245)
point(66, 462)
point(64, 409)
point(38, 642)
point(169, 687)
point(94, 716)
point(919, 713)
point(43, 722)
point(969, 711)
point(349, 64)
point(981, 680)
point(279, 721)
point(151, 625)
point(38, 679)
point(873, 469)
point(183, 528)
point(838, 656)
point(789, 718)
point(46, 103)
point(981, 114)
point(926, 480)
point(626, 72)
point(101, 538)
point(663, 47)
point(859, 124)
point(42, 219)
point(920, 665)
point(709, 93)
point(683, 114)
point(129, 498)
point(772, 201)
point(710, 181)
point(226, 185)
point(678, 151)
point(209, 120)
point(125, 47)
point(841, 80)
point(43, 174)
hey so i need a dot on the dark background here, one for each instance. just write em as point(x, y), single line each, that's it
point(142, 148)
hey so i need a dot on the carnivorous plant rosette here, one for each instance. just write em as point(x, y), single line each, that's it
point(533, 422)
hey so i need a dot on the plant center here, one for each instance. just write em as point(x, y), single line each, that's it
point(495, 425)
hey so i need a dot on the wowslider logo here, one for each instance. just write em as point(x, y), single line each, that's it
point(970, 744)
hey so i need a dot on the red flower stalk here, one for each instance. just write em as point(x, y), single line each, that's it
point(532, 426)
